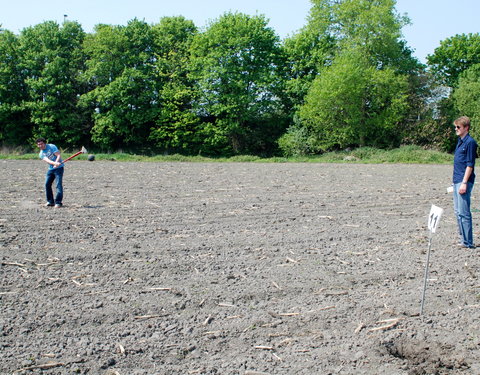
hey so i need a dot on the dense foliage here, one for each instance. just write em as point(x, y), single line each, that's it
point(360, 97)
point(237, 68)
point(346, 79)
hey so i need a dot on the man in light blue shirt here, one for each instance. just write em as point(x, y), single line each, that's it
point(51, 155)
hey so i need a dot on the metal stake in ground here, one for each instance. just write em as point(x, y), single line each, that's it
point(433, 221)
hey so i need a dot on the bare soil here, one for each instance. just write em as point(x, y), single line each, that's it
point(238, 268)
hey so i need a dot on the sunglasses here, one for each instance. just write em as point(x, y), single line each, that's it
point(457, 127)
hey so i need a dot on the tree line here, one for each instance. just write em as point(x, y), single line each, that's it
point(346, 79)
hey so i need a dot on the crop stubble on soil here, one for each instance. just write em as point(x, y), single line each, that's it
point(192, 268)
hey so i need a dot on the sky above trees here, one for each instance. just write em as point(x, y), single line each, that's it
point(432, 20)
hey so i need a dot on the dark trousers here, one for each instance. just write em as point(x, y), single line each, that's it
point(55, 174)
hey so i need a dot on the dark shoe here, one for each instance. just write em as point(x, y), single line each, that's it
point(462, 246)
point(48, 204)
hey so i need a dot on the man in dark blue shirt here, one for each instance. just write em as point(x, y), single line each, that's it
point(463, 180)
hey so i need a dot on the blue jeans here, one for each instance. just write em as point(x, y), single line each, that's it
point(461, 206)
point(52, 175)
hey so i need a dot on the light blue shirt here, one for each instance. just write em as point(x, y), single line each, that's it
point(49, 152)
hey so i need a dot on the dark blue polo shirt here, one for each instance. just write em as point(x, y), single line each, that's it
point(465, 155)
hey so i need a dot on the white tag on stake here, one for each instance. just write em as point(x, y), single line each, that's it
point(434, 218)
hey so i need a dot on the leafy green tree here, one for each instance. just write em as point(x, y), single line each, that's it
point(354, 104)
point(467, 97)
point(120, 67)
point(15, 125)
point(360, 96)
point(52, 61)
point(453, 67)
point(427, 123)
point(308, 51)
point(176, 126)
point(238, 66)
point(370, 25)
point(454, 56)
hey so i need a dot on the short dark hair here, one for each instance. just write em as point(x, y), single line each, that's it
point(41, 139)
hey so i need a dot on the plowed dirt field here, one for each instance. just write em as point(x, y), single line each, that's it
point(235, 268)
